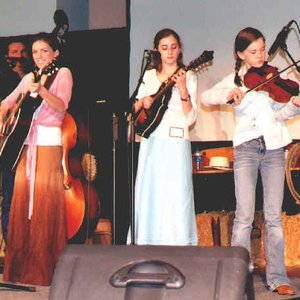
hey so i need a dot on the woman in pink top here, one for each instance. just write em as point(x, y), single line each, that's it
point(37, 227)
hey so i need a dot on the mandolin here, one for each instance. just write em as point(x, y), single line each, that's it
point(147, 120)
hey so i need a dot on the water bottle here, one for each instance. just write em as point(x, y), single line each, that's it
point(197, 160)
point(204, 160)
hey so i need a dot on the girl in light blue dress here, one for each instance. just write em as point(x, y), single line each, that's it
point(164, 198)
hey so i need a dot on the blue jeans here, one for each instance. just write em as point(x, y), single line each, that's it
point(249, 158)
point(8, 178)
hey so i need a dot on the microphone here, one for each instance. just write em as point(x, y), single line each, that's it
point(12, 61)
point(281, 38)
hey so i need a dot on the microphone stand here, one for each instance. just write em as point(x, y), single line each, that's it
point(115, 139)
point(131, 140)
point(284, 48)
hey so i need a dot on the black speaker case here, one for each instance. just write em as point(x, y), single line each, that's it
point(83, 272)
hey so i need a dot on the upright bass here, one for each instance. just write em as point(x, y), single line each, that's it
point(82, 200)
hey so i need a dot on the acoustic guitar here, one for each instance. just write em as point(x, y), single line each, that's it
point(17, 122)
point(147, 120)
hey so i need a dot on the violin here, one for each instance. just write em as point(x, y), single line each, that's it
point(266, 78)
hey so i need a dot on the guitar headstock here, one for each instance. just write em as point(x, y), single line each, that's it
point(204, 58)
point(48, 70)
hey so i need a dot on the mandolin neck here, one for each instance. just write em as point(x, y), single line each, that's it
point(168, 84)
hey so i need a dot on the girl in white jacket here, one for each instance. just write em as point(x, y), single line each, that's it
point(259, 140)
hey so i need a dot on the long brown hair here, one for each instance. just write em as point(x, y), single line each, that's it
point(157, 64)
point(244, 38)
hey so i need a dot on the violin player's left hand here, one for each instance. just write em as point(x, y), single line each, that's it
point(296, 101)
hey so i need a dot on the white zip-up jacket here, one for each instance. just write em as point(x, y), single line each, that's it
point(257, 115)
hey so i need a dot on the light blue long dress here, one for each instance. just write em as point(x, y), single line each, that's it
point(164, 198)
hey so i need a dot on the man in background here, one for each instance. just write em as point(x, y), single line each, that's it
point(13, 67)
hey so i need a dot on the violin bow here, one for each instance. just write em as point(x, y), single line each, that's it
point(231, 101)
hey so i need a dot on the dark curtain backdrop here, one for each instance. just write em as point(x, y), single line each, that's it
point(99, 60)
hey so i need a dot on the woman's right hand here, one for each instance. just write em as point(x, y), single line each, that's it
point(32, 87)
point(7, 119)
point(236, 95)
point(296, 101)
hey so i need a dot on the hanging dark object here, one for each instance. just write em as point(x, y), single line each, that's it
point(62, 26)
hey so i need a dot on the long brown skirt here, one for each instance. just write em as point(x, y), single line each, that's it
point(34, 245)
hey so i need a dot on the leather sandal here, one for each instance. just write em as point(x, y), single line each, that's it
point(285, 289)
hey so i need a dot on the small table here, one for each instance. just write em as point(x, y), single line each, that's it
point(209, 170)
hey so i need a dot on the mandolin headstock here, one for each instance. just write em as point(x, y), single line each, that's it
point(203, 60)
